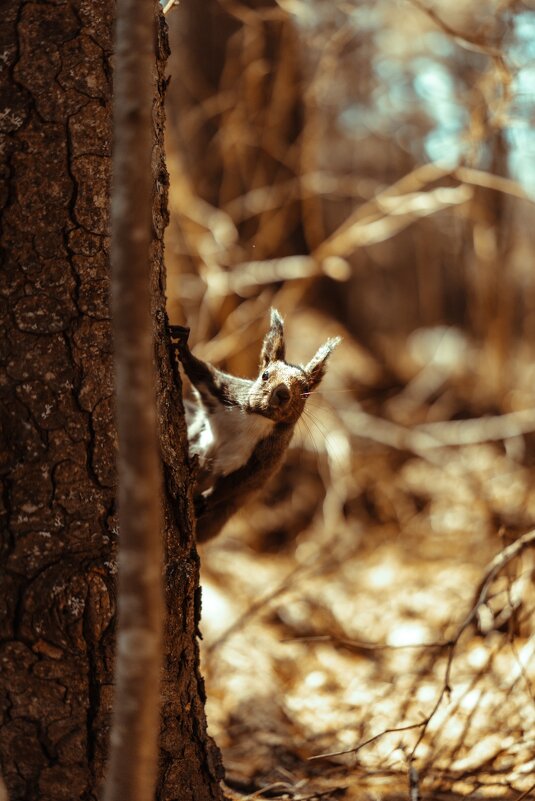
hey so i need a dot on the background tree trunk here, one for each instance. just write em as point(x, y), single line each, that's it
point(58, 452)
point(136, 711)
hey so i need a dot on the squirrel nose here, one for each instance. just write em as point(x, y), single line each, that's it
point(280, 395)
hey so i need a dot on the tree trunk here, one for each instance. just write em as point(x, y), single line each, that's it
point(133, 757)
point(59, 532)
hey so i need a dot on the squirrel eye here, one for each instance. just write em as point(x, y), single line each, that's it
point(265, 375)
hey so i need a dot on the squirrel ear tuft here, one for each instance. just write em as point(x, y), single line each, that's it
point(273, 348)
point(317, 366)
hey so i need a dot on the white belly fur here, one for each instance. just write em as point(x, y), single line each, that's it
point(230, 437)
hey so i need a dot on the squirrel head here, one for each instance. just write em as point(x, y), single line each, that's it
point(281, 389)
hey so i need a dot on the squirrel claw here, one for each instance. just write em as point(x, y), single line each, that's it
point(180, 333)
point(179, 339)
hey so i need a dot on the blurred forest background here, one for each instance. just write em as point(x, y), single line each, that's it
point(369, 169)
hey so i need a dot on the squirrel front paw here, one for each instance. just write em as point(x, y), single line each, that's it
point(180, 332)
point(179, 337)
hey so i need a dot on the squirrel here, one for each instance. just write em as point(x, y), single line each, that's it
point(239, 429)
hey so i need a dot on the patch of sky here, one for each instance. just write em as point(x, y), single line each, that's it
point(409, 138)
point(521, 51)
point(435, 85)
point(365, 18)
point(521, 157)
point(432, 79)
point(402, 87)
point(523, 86)
point(305, 15)
point(444, 147)
point(426, 81)
point(521, 138)
point(387, 69)
point(439, 43)
point(359, 119)
point(523, 171)
point(394, 92)
point(396, 98)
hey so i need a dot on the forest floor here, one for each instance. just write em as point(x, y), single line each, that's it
point(368, 624)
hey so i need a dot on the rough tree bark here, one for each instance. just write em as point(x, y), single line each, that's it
point(58, 536)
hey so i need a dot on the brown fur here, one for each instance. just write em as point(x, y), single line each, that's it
point(278, 394)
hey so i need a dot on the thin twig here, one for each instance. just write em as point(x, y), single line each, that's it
point(493, 568)
point(284, 585)
point(483, 429)
point(169, 5)
point(526, 793)
point(360, 645)
point(467, 40)
point(368, 741)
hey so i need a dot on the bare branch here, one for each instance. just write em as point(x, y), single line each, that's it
point(493, 568)
point(368, 741)
point(169, 5)
point(474, 43)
